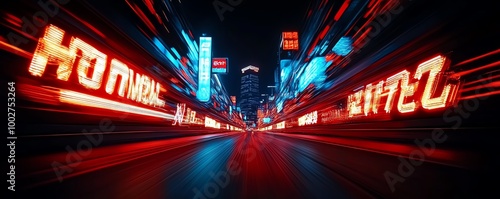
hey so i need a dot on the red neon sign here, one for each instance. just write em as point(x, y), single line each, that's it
point(91, 66)
point(290, 40)
point(219, 65)
point(397, 90)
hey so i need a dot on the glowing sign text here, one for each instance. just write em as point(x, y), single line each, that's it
point(290, 41)
point(181, 112)
point(280, 125)
point(209, 122)
point(219, 65)
point(308, 119)
point(398, 90)
point(90, 67)
point(204, 66)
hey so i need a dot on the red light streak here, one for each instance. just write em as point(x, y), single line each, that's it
point(478, 57)
point(361, 38)
point(102, 35)
point(341, 10)
point(143, 17)
point(14, 20)
point(327, 16)
point(81, 99)
point(323, 33)
point(480, 80)
point(372, 9)
point(14, 49)
point(491, 65)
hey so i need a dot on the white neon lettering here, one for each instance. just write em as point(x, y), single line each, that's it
point(434, 67)
point(50, 50)
point(134, 87)
point(90, 58)
point(193, 116)
point(117, 68)
point(145, 90)
point(367, 100)
point(354, 103)
point(406, 91)
point(376, 96)
point(91, 65)
point(179, 114)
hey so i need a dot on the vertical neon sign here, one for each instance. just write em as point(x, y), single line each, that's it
point(204, 67)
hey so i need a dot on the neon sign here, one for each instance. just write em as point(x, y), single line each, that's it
point(209, 122)
point(280, 125)
point(398, 90)
point(90, 67)
point(204, 66)
point(290, 40)
point(219, 65)
point(181, 112)
point(308, 119)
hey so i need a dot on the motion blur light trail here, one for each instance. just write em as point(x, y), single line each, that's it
point(370, 99)
point(235, 165)
point(99, 158)
point(81, 99)
point(183, 167)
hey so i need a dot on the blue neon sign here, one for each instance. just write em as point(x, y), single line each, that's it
point(204, 67)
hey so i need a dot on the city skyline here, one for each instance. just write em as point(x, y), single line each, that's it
point(245, 37)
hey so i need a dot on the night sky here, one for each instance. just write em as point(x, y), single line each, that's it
point(248, 35)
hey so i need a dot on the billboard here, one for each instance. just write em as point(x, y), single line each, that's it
point(204, 66)
point(220, 65)
point(290, 41)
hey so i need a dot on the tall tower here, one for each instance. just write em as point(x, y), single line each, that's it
point(250, 95)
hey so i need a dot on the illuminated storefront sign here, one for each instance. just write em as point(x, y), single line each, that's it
point(91, 70)
point(209, 122)
point(204, 66)
point(407, 96)
point(181, 112)
point(290, 41)
point(220, 65)
point(308, 119)
point(280, 125)
point(332, 114)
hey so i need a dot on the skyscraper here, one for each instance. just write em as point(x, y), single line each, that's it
point(250, 94)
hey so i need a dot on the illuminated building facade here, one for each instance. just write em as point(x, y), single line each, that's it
point(250, 94)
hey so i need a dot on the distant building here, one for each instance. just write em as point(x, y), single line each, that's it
point(250, 94)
